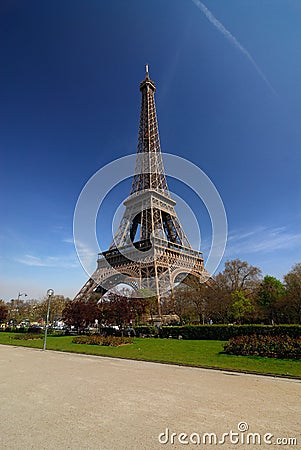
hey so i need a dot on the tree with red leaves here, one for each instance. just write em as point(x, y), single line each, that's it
point(3, 311)
point(81, 313)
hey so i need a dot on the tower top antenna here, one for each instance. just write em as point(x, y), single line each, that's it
point(146, 70)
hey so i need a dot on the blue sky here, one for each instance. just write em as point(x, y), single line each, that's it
point(228, 99)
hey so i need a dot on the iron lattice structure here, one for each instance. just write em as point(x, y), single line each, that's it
point(150, 249)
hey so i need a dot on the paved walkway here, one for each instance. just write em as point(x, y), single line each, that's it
point(52, 400)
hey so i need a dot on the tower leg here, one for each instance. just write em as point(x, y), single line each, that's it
point(158, 291)
point(159, 304)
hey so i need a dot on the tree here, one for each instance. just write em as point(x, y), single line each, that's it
point(18, 310)
point(150, 302)
point(57, 305)
point(115, 309)
point(292, 282)
point(3, 311)
point(237, 276)
point(200, 299)
point(81, 313)
point(269, 293)
point(182, 305)
point(241, 306)
point(240, 276)
point(139, 307)
point(196, 305)
point(219, 300)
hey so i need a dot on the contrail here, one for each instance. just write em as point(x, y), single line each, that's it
point(232, 39)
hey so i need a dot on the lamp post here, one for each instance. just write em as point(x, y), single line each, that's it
point(50, 293)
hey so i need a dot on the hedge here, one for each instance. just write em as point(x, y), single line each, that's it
point(219, 332)
point(267, 346)
point(28, 337)
point(11, 329)
point(110, 341)
point(146, 330)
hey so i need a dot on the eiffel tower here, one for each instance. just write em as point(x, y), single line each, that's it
point(150, 250)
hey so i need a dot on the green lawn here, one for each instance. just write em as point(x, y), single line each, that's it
point(193, 353)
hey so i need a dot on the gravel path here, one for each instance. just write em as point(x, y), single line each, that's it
point(52, 400)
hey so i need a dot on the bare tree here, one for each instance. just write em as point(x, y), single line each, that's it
point(241, 276)
point(199, 297)
point(57, 305)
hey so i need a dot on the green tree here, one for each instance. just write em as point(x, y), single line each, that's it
point(292, 282)
point(237, 276)
point(270, 291)
point(241, 306)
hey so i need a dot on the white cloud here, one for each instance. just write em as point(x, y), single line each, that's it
point(66, 262)
point(229, 36)
point(68, 240)
point(262, 240)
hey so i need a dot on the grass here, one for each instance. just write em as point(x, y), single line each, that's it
point(184, 352)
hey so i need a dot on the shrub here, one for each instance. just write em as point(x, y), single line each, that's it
point(110, 331)
point(112, 341)
point(145, 330)
point(13, 329)
point(226, 332)
point(28, 337)
point(268, 346)
point(35, 330)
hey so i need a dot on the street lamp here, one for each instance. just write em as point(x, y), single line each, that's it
point(50, 293)
point(20, 295)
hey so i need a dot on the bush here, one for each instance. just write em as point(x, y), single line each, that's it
point(145, 330)
point(28, 337)
point(112, 341)
point(268, 346)
point(35, 330)
point(226, 332)
point(13, 329)
point(110, 331)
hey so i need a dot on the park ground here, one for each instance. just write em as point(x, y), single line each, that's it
point(200, 353)
point(53, 400)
